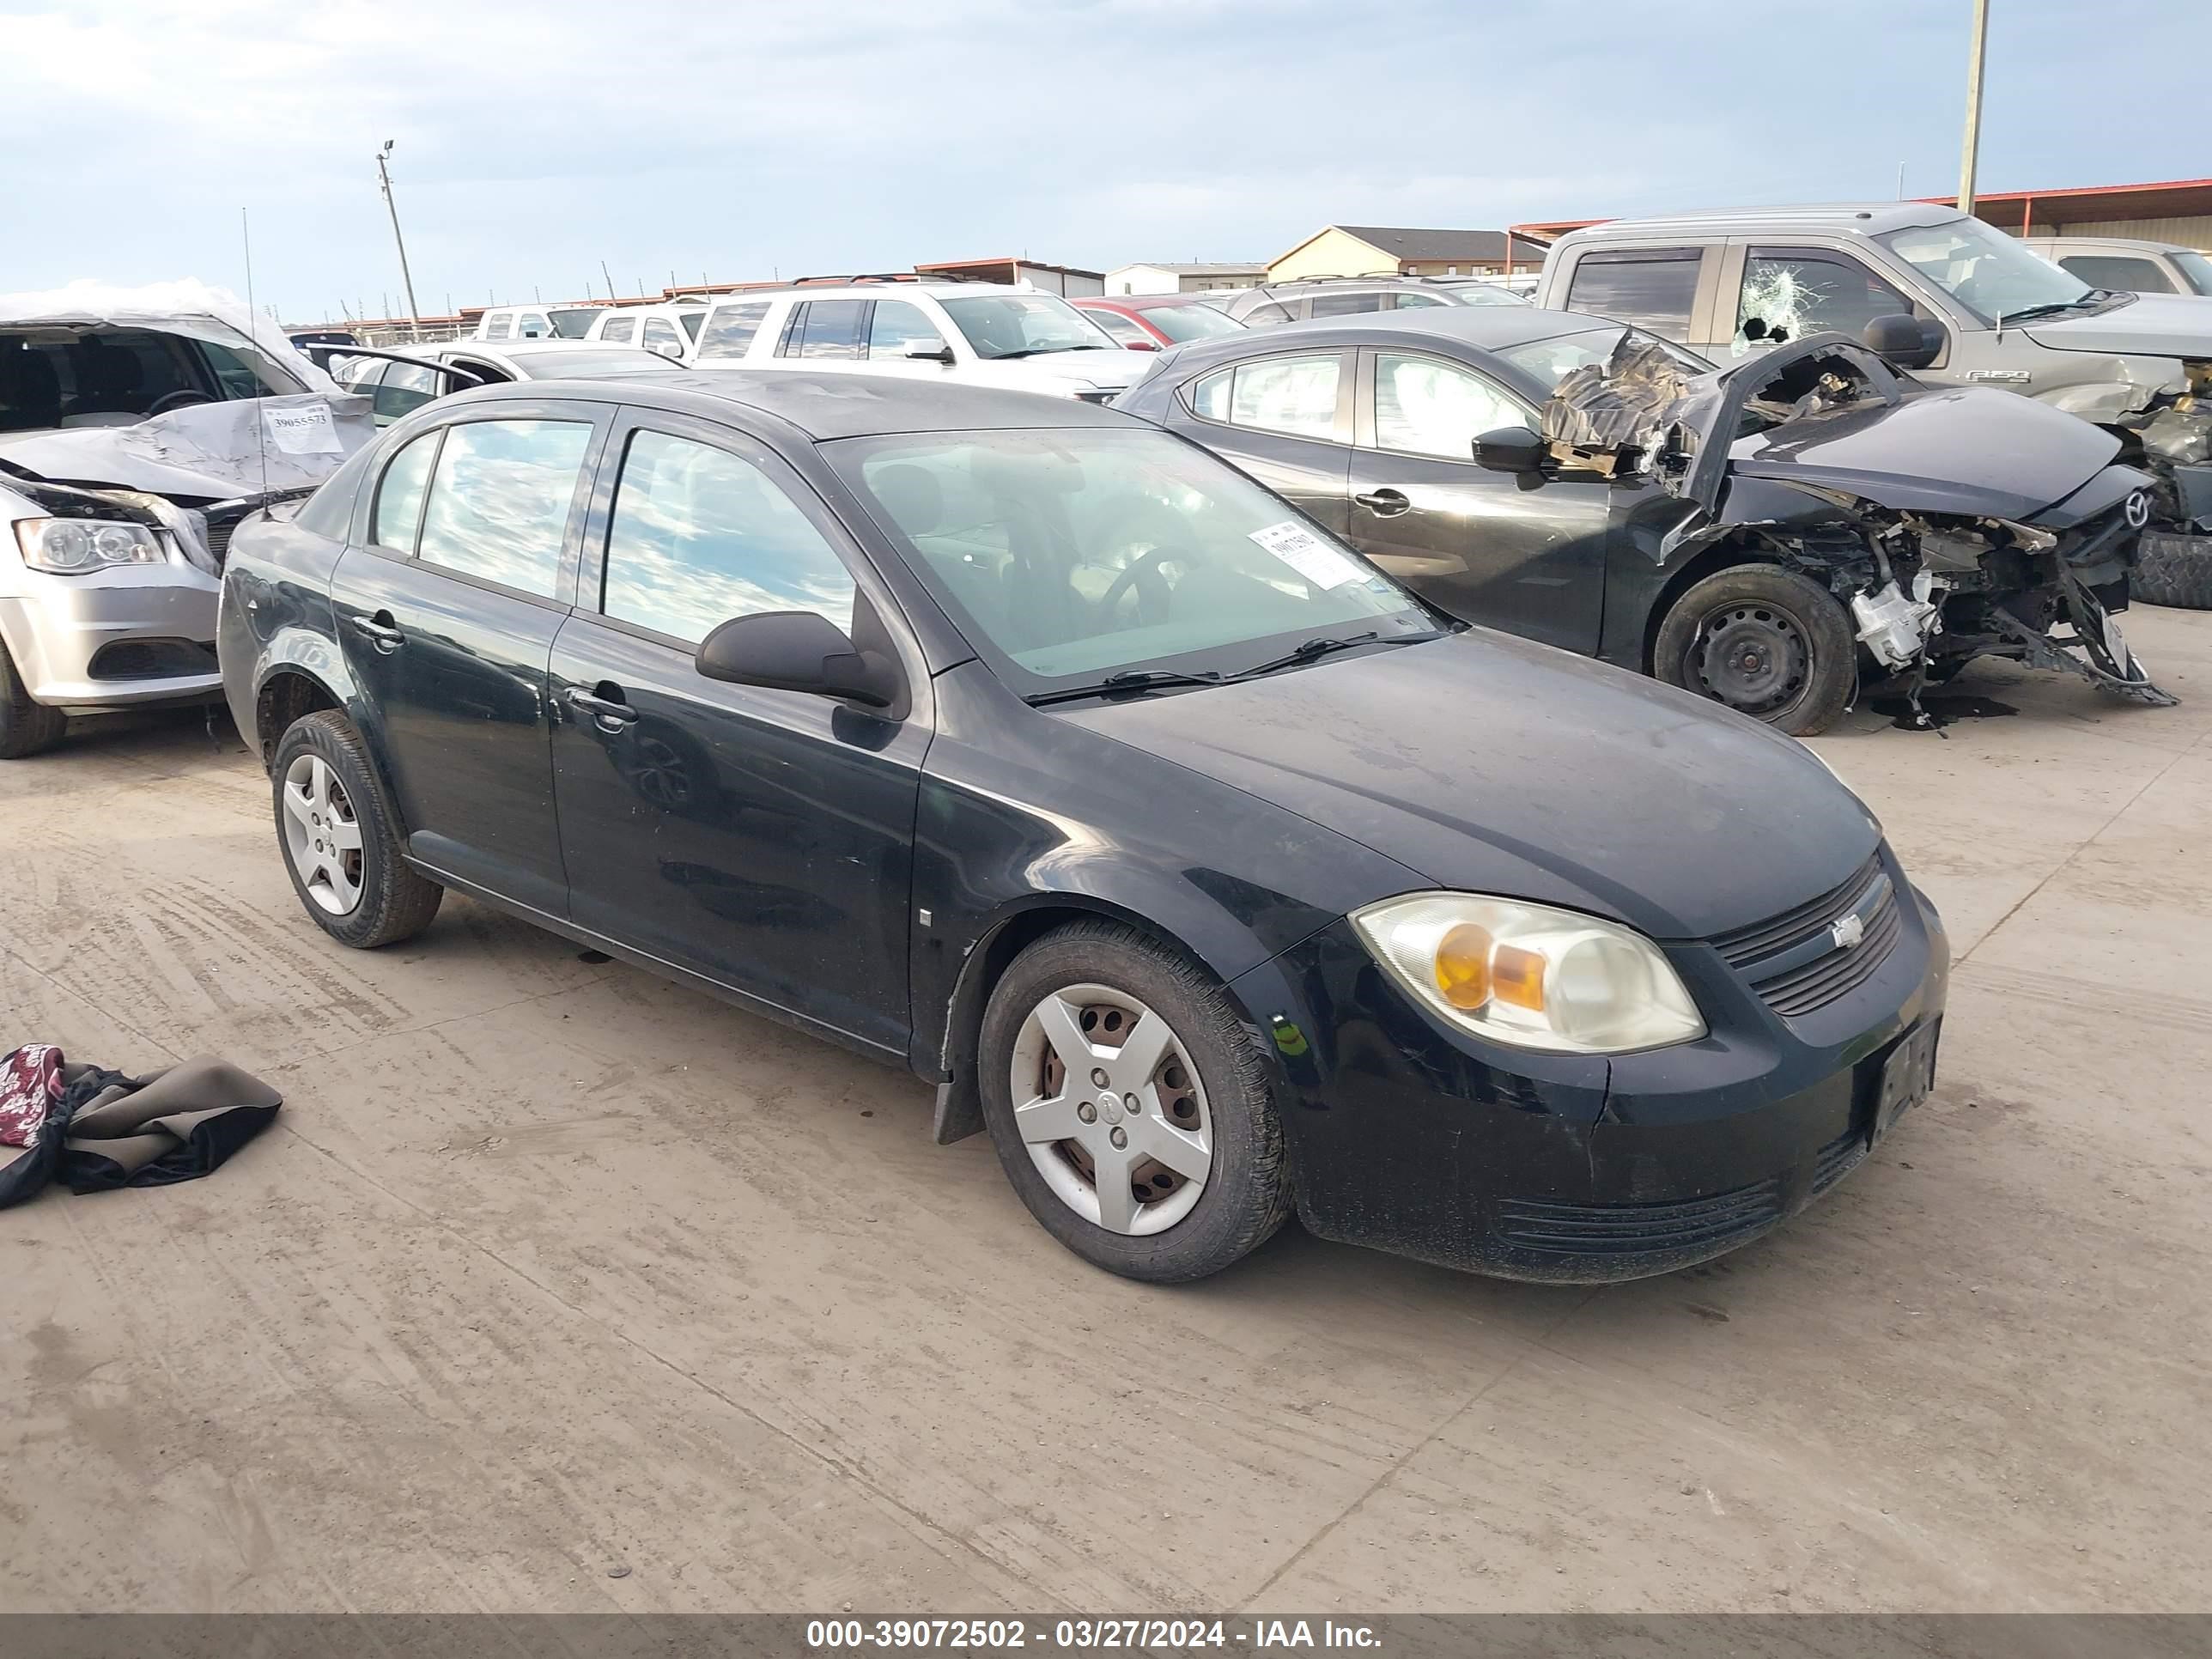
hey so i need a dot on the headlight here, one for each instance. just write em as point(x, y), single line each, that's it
point(69, 547)
point(1530, 975)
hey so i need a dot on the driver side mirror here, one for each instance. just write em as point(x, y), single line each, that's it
point(1510, 449)
point(798, 651)
point(939, 353)
point(1903, 342)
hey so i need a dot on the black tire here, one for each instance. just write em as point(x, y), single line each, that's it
point(1796, 662)
point(397, 902)
point(1247, 1194)
point(26, 727)
point(2173, 570)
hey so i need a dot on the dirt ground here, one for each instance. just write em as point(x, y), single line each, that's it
point(549, 1269)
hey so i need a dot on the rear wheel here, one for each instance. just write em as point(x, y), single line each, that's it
point(340, 843)
point(1765, 642)
point(26, 727)
point(1129, 1107)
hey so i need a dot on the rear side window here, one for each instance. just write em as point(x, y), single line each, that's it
point(2117, 271)
point(1653, 289)
point(499, 501)
point(661, 336)
point(1292, 395)
point(399, 495)
point(691, 317)
point(731, 329)
point(1346, 305)
point(701, 536)
point(621, 329)
point(532, 325)
point(825, 328)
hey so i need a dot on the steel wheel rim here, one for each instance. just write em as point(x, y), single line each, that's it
point(322, 835)
point(1754, 658)
point(1150, 1098)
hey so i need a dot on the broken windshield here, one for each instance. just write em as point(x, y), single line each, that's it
point(1987, 271)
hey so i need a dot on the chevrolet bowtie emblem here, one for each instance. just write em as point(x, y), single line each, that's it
point(1847, 933)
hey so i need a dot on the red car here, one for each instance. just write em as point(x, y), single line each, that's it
point(1153, 322)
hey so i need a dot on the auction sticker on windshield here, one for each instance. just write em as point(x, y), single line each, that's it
point(1307, 554)
point(306, 429)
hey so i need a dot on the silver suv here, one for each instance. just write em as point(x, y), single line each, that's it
point(1955, 301)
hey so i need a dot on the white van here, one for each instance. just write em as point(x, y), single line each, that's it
point(536, 322)
point(669, 329)
point(1020, 338)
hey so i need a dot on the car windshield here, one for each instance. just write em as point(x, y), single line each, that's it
point(1988, 271)
point(1070, 555)
point(1191, 322)
point(1549, 361)
point(2195, 270)
point(557, 365)
point(1024, 326)
point(572, 322)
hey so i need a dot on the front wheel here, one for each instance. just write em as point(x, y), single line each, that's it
point(1765, 642)
point(26, 727)
point(1129, 1107)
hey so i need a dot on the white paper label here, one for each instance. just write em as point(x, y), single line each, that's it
point(1307, 554)
point(306, 429)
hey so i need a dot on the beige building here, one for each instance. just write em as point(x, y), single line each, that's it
point(1384, 251)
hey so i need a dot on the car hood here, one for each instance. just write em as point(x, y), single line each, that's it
point(2150, 326)
point(1067, 372)
point(1969, 450)
point(1489, 763)
point(215, 450)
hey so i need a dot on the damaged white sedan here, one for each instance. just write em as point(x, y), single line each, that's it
point(137, 428)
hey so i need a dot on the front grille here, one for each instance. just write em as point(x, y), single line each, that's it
point(1792, 960)
point(1634, 1229)
point(218, 538)
point(152, 659)
point(1838, 1160)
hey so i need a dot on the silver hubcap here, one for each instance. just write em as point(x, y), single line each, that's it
point(321, 835)
point(1111, 1110)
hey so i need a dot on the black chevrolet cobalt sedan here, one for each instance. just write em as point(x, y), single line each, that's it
point(1038, 750)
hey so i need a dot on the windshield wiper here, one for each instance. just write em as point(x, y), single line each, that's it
point(2049, 309)
point(1043, 350)
point(1306, 651)
point(1132, 679)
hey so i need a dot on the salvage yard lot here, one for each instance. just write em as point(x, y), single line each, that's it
point(549, 1269)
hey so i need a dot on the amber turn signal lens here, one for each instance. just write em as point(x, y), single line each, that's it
point(1517, 976)
point(1463, 966)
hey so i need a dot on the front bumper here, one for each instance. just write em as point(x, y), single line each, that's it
point(133, 636)
point(1406, 1136)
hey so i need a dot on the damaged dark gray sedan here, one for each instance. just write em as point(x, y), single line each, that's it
point(1774, 536)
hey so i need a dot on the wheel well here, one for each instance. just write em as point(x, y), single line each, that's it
point(959, 1100)
point(285, 697)
point(1736, 549)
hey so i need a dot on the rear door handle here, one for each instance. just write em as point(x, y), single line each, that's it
point(1384, 503)
point(380, 631)
point(608, 712)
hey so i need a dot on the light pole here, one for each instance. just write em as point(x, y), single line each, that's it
point(384, 175)
point(1973, 139)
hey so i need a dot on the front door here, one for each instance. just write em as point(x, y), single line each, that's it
point(762, 838)
point(1485, 546)
point(447, 617)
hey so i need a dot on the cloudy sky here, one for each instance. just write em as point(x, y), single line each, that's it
point(740, 139)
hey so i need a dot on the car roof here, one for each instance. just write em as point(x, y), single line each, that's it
point(1851, 218)
point(879, 290)
point(820, 406)
point(1147, 301)
point(2136, 243)
point(1487, 328)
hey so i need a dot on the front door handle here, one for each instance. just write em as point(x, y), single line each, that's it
point(1384, 503)
point(380, 632)
point(611, 712)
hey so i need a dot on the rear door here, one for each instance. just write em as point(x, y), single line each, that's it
point(1283, 419)
point(1661, 289)
point(447, 610)
point(1483, 545)
point(761, 838)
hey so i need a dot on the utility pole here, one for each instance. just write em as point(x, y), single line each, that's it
point(1973, 141)
point(384, 176)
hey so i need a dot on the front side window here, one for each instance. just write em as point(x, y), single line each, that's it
point(1793, 292)
point(1296, 395)
point(405, 388)
point(699, 536)
point(1069, 555)
point(499, 501)
point(1989, 273)
point(731, 329)
point(1024, 325)
point(2117, 270)
point(1410, 301)
point(572, 322)
point(1346, 305)
point(825, 328)
point(661, 336)
point(1425, 407)
point(1652, 289)
point(2195, 270)
point(899, 326)
point(621, 329)
point(399, 513)
point(532, 325)
point(236, 375)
